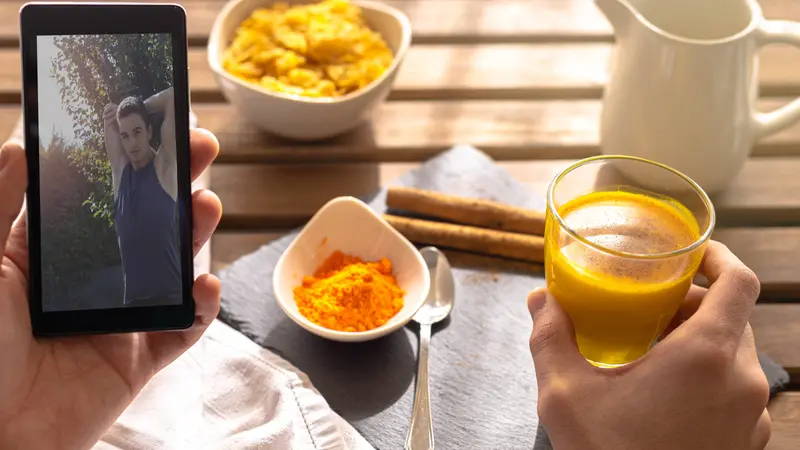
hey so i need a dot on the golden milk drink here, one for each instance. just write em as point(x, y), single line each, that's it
point(618, 292)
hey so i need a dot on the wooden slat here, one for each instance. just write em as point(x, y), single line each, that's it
point(8, 120)
point(766, 192)
point(784, 410)
point(761, 195)
point(774, 254)
point(451, 21)
point(261, 196)
point(227, 246)
point(510, 71)
point(777, 326)
point(403, 131)
point(268, 196)
point(414, 131)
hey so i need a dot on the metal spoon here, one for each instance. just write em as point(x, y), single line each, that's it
point(437, 306)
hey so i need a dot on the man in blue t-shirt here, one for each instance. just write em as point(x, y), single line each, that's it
point(145, 195)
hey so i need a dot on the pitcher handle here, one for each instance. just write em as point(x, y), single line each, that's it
point(777, 32)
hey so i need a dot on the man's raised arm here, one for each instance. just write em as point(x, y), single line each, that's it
point(166, 162)
point(114, 150)
point(163, 102)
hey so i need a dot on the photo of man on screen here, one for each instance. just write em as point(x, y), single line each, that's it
point(145, 196)
point(111, 213)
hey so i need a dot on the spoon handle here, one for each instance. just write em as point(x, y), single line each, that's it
point(420, 434)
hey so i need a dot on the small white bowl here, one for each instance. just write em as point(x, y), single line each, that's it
point(298, 117)
point(349, 225)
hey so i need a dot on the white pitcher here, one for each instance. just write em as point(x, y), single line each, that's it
point(684, 84)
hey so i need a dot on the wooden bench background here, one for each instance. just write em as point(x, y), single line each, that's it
point(520, 80)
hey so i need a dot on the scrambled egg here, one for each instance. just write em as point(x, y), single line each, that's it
point(317, 50)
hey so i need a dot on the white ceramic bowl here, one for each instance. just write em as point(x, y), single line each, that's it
point(349, 225)
point(298, 117)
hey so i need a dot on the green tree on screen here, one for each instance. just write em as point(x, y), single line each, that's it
point(70, 236)
point(94, 70)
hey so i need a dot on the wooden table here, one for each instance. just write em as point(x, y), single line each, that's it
point(521, 80)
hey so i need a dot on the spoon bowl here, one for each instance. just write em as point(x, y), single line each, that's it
point(441, 294)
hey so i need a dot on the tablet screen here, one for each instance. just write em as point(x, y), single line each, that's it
point(108, 188)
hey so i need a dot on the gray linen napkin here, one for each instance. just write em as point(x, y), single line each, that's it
point(483, 388)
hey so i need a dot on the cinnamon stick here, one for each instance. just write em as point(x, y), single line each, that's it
point(467, 211)
point(463, 237)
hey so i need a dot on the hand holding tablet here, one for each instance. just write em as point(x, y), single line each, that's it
point(107, 138)
point(64, 392)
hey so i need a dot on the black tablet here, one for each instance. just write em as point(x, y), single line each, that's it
point(106, 109)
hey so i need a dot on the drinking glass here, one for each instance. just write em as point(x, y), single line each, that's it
point(624, 238)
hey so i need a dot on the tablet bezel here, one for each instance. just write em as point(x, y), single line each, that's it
point(39, 19)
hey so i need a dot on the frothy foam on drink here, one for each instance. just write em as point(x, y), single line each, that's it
point(631, 223)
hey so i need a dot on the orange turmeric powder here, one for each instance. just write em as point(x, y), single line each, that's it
point(347, 294)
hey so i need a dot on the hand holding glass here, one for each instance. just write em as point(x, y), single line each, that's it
point(624, 238)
